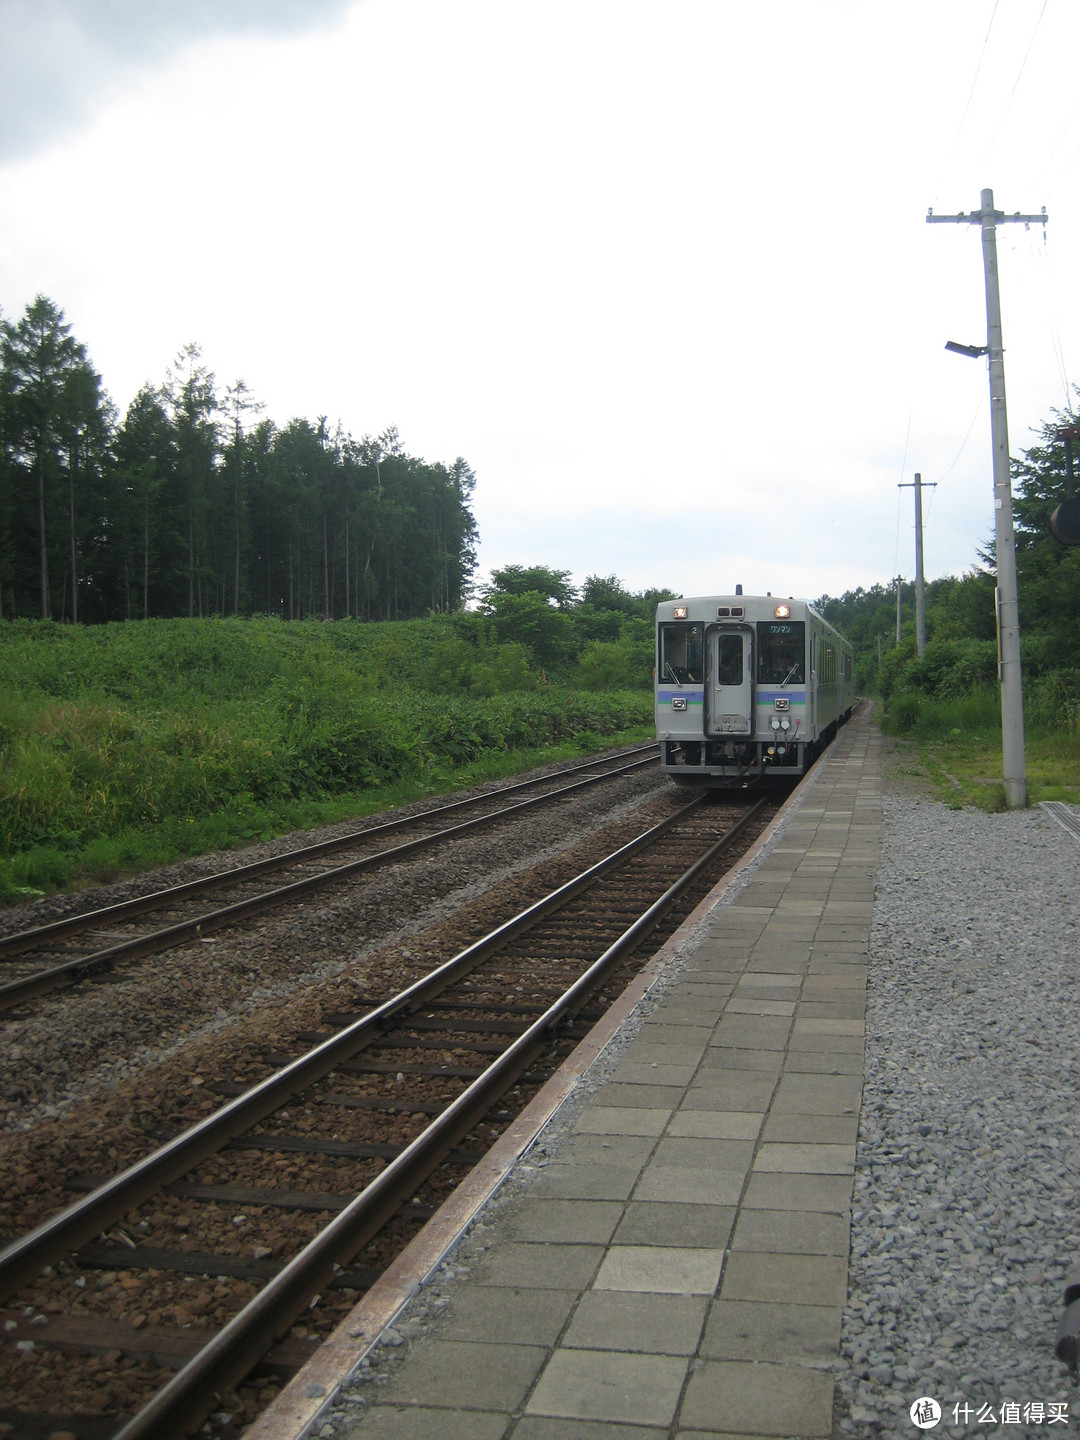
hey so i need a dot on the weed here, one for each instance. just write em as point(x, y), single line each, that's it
point(126, 746)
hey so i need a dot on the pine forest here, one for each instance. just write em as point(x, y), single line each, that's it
point(194, 504)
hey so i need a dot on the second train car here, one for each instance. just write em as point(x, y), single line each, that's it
point(747, 686)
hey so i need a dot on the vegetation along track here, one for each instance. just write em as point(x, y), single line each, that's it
point(219, 1235)
point(66, 950)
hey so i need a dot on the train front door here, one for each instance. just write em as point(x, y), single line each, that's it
point(730, 688)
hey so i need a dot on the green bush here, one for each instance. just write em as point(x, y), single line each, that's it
point(152, 735)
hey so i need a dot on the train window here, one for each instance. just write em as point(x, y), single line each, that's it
point(781, 652)
point(680, 654)
point(730, 667)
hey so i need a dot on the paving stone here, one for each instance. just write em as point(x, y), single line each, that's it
point(455, 1373)
point(493, 1312)
point(653, 1323)
point(746, 1330)
point(721, 1057)
point(643, 1096)
point(785, 1278)
point(809, 1159)
point(701, 1154)
point(575, 1222)
point(809, 1026)
point(821, 986)
point(751, 1005)
point(832, 1129)
point(723, 1089)
point(407, 1422)
point(832, 1044)
point(810, 1062)
point(609, 1385)
point(647, 1222)
point(805, 1232)
point(817, 1095)
point(789, 958)
point(762, 1399)
point(752, 1032)
point(716, 1124)
point(853, 1009)
point(547, 1267)
point(606, 1149)
point(657, 1030)
point(622, 1120)
point(799, 1192)
point(693, 1187)
point(545, 1427)
point(577, 1182)
point(653, 1072)
point(660, 1269)
point(686, 1013)
point(643, 1052)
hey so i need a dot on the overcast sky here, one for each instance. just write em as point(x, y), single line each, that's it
point(659, 271)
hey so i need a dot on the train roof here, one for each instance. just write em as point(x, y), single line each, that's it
point(757, 603)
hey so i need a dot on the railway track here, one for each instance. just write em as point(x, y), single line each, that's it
point(370, 1124)
point(68, 950)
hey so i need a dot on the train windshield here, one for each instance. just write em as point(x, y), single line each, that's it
point(782, 652)
point(680, 653)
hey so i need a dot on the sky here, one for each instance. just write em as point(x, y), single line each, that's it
point(659, 270)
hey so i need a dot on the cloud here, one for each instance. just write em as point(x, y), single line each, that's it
point(60, 58)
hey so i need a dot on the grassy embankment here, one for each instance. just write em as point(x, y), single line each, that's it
point(127, 746)
point(955, 745)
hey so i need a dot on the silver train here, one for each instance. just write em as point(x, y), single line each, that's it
point(747, 686)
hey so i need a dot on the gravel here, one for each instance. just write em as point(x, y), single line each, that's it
point(82, 1041)
point(964, 1221)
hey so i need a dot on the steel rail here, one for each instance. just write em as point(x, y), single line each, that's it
point(31, 939)
point(16, 991)
point(237, 1347)
point(22, 1260)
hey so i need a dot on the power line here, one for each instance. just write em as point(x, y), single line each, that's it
point(1027, 52)
point(978, 72)
point(1016, 83)
point(967, 437)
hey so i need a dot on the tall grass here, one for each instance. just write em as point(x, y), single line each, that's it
point(124, 745)
point(959, 740)
point(908, 712)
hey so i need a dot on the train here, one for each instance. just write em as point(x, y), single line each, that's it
point(747, 687)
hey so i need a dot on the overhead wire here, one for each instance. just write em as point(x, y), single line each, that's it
point(1051, 320)
point(1027, 52)
point(978, 72)
point(1016, 82)
point(978, 411)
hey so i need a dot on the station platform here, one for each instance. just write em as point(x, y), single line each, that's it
point(669, 1258)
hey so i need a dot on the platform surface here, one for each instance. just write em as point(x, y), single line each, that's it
point(676, 1266)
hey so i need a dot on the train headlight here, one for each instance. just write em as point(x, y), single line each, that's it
point(782, 612)
point(679, 612)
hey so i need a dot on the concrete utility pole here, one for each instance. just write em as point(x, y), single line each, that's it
point(1012, 700)
point(899, 582)
point(920, 578)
